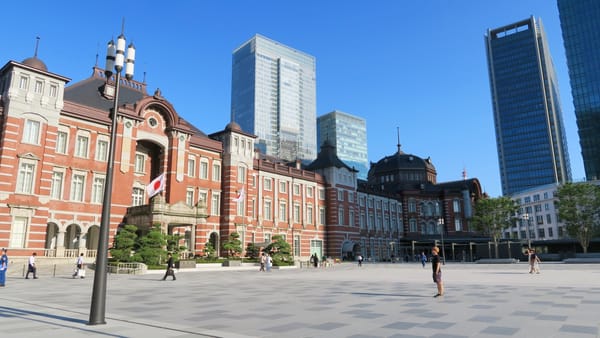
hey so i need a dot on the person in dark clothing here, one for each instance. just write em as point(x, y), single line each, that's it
point(436, 265)
point(31, 268)
point(170, 271)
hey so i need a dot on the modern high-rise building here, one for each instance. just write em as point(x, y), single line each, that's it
point(580, 23)
point(348, 134)
point(273, 96)
point(530, 136)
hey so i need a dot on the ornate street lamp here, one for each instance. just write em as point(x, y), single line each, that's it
point(115, 58)
point(526, 219)
point(441, 223)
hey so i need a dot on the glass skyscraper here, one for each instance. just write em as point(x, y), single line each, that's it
point(530, 137)
point(580, 23)
point(273, 95)
point(348, 134)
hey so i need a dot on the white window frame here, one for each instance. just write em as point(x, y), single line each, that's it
point(102, 149)
point(189, 197)
point(138, 196)
point(31, 131)
point(62, 141)
point(82, 145)
point(241, 174)
point(203, 174)
point(191, 167)
point(215, 203)
point(57, 184)
point(216, 172)
point(26, 176)
point(77, 188)
point(18, 232)
point(139, 164)
point(98, 189)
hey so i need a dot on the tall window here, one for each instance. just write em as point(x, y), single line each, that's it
point(322, 216)
point(189, 197)
point(137, 197)
point(282, 187)
point(456, 205)
point(191, 167)
point(322, 194)
point(77, 185)
point(412, 224)
point(53, 90)
point(215, 204)
point(23, 82)
point(297, 213)
point(309, 192)
point(56, 185)
point(282, 211)
point(31, 134)
point(351, 218)
point(309, 214)
point(202, 195)
point(267, 211)
point(18, 232)
point(216, 172)
point(296, 189)
point(341, 216)
point(25, 178)
point(139, 164)
point(39, 87)
point(81, 146)
point(296, 245)
point(241, 174)
point(61, 142)
point(412, 205)
point(241, 206)
point(268, 184)
point(102, 150)
point(98, 190)
point(458, 224)
point(203, 169)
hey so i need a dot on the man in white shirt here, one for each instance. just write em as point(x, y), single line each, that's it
point(31, 268)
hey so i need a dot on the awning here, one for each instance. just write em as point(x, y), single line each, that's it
point(348, 247)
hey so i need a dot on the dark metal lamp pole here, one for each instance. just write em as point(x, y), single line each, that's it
point(115, 57)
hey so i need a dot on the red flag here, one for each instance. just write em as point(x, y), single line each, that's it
point(157, 185)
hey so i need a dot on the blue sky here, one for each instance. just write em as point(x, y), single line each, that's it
point(418, 65)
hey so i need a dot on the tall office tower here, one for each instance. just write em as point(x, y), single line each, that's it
point(348, 134)
point(580, 23)
point(530, 137)
point(273, 95)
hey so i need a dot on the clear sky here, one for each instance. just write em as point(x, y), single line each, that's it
point(417, 65)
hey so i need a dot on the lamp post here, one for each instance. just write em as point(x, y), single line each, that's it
point(441, 223)
point(526, 219)
point(115, 57)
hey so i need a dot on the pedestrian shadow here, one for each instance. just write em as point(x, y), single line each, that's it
point(49, 319)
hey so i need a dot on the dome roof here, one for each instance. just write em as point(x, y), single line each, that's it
point(400, 161)
point(233, 126)
point(35, 63)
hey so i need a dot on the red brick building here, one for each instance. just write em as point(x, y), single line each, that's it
point(54, 141)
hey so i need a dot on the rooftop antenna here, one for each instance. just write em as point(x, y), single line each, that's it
point(464, 174)
point(37, 44)
point(398, 132)
point(97, 48)
point(144, 77)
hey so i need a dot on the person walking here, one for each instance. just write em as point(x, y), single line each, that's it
point(436, 266)
point(315, 261)
point(31, 266)
point(80, 269)
point(3, 267)
point(170, 271)
point(534, 262)
point(360, 260)
point(269, 262)
point(263, 260)
point(423, 259)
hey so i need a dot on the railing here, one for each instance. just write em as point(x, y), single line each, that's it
point(71, 253)
point(128, 268)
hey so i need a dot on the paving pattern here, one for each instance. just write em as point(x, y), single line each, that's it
point(377, 300)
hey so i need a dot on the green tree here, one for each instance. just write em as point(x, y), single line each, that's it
point(150, 248)
point(124, 243)
point(173, 244)
point(280, 251)
point(252, 251)
point(233, 245)
point(209, 250)
point(492, 215)
point(578, 208)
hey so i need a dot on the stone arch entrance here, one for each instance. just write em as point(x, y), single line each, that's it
point(350, 250)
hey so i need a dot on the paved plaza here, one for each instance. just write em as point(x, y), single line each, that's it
point(377, 300)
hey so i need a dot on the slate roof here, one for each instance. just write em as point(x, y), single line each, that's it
point(327, 158)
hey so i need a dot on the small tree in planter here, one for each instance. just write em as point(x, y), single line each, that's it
point(150, 248)
point(252, 251)
point(209, 250)
point(233, 245)
point(124, 243)
point(280, 251)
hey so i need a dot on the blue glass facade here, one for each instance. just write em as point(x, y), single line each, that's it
point(348, 134)
point(273, 95)
point(530, 137)
point(580, 23)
